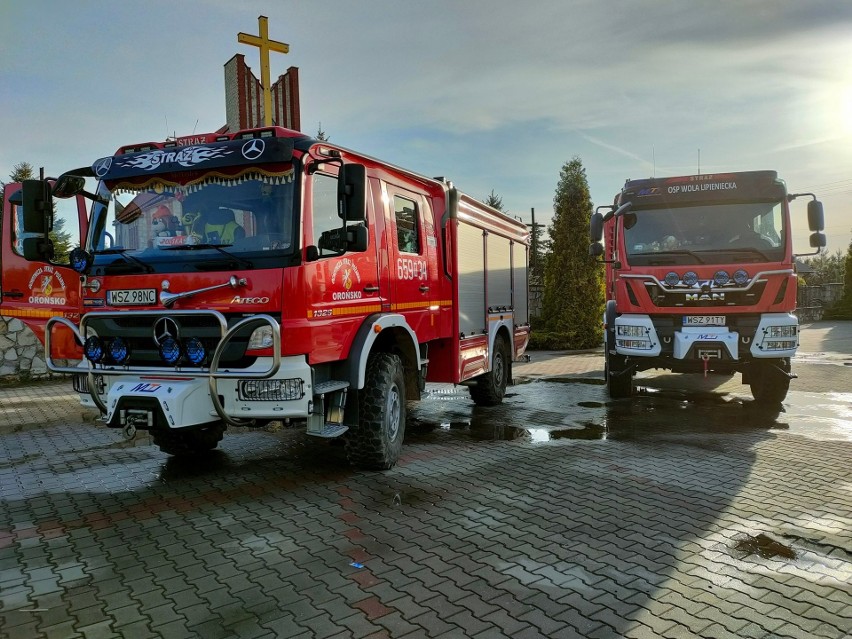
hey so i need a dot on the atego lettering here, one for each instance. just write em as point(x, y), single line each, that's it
point(249, 300)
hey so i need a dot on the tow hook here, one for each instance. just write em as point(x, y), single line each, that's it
point(129, 431)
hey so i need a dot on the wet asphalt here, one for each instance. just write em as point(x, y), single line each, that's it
point(685, 511)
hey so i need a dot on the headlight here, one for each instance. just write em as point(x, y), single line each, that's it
point(781, 331)
point(690, 278)
point(672, 278)
point(631, 331)
point(741, 277)
point(260, 338)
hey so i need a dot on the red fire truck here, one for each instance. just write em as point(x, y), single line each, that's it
point(268, 276)
point(700, 278)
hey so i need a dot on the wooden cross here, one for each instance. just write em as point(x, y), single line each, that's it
point(265, 45)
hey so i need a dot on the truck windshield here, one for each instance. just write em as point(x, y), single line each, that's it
point(752, 232)
point(187, 218)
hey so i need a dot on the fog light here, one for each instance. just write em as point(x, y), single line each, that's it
point(779, 345)
point(94, 349)
point(170, 350)
point(195, 351)
point(119, 351)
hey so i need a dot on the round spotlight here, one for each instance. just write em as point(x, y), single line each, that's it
point(195, 351)
point(170, 350)
point(741, 277)
point(672, 278)
point(690, 278)
point(94, 349)
point(721, 278)
point(119, 351)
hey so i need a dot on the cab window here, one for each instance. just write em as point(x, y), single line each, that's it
point(407, 225)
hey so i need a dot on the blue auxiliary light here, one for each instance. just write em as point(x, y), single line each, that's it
point(690, 278)
point(170, 351)
point(741, 277)
point(94, 349)
point(721, 278)
point(119, 351)
point(195, 351)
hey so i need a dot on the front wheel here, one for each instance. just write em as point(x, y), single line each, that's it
point(490, 388)
point(376, 442)
point(769, 380)
point(186, 442)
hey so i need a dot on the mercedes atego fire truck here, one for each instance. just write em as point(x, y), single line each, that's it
point(700, 278)
point(268, 276)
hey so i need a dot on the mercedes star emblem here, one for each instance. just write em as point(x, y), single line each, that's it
point(102, 166)
point(165, 327)
point(253, 149)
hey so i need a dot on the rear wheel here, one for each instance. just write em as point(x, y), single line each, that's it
point(769, 380)
point(619, 381)
point(376, 442)
point(185, 442)
point(490, 388)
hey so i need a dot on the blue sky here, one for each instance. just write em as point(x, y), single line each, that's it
point(492, 94)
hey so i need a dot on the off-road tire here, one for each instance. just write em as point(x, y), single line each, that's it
point(376, 442)
point(490, 389)
point(185, 442)
point(618, 386)
point(769, 385)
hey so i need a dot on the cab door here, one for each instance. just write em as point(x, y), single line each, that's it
point(413, 260)
point(35, 291)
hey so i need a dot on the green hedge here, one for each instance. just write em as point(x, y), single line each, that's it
point(546, 341)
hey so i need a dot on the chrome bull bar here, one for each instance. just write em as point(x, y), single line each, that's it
point(212, 373)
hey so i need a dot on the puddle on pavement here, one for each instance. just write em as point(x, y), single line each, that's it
point(764, 546)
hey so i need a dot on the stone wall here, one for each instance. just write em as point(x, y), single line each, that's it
point(21, 354)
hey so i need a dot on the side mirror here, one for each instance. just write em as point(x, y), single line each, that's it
point(596, 227)
point(67, 185)
point(816, 218)
point(356, 238)
point(817, 239)
point(37, 204)
point(352, 192)
point(596, 249)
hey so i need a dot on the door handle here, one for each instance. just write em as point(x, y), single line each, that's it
point(371, 289)
point(424, 288)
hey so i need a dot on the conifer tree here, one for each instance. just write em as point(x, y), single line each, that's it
point(573, 301)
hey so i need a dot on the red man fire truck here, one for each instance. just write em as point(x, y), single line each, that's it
point(267, 276)
point(700, 278)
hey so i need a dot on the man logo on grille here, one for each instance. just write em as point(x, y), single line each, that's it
point(165, 327)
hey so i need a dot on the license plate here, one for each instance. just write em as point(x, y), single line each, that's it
point(704, 320)
point(132, 297)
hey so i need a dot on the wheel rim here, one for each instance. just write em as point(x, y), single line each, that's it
point(499, 367)
point(393, 408)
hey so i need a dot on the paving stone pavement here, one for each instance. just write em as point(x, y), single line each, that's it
point(559, 514)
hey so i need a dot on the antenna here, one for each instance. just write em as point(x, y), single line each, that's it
point(195, 127)
point(699, 161)
point(654, 160)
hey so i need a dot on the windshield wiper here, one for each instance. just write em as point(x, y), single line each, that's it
point(749, 249)
point(672, 252)
point(218, 247)
point(147, 268)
